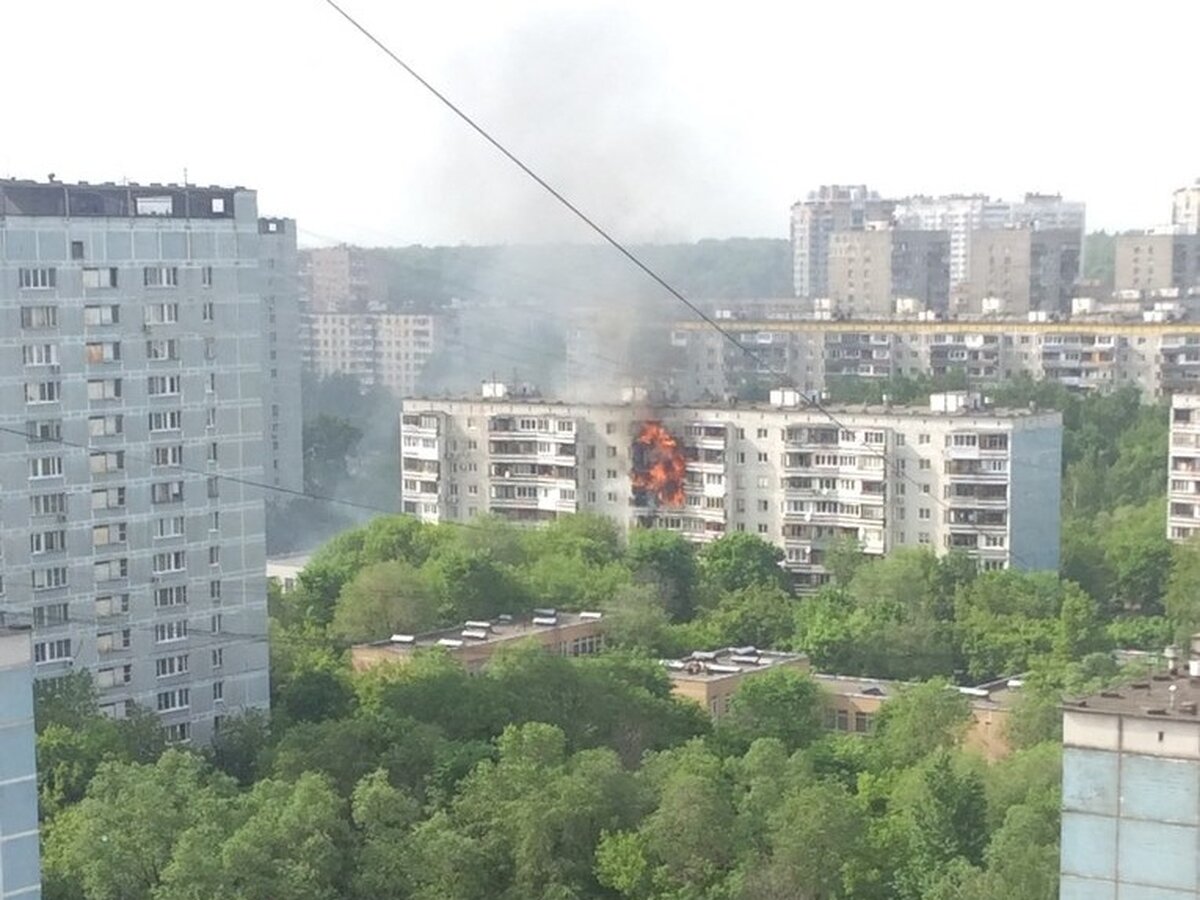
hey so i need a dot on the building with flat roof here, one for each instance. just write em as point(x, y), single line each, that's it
point(1131, 789)
point(279, 325)
point(344, 279)
point(475, 642)
point(711, 678)
point(1162, 265)
point(286, 570)
point(1016, 271)
point(131, 395)
point(390, 350)
point(830, 209)
point(854, 702)
point(870, 271)
point(20, 867)
point(952, 476)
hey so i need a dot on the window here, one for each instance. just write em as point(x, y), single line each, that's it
point(762, 528)
point(48, 504)
point(163, 385)
point(166, 492)
point(218, 657)
point(179, 733)
point(164, 598)
point(112, 605)
point(212, 453)
point(48, 579)
point(45, 467)
point(113, 533)
point(923, 513)
point(96, 278)
point(40, 354)
point(207, 311)
point(48, 541)
point(111, 677)
point(167, 420)
point(611, 473)
point(167, 666)
point(924, 464)
point(206, 273)
point(214, 590)
point(215, 623)
point(43, 392)
point(101, 315)
point(39, 317)
point(170, 561)
point(110, 569)
point(214, 556)
point(153, 206)
point(109, 641)
point(104, 389)
point(214, 489)
point(37, 279)
point(923, 537)
point(108, 498)
point(763, 481)
point(100, 463)
point(76, 249)
point(44, 430)
point(160, 276)
point(218, 691)
point(171, 455)
point(51, 615)
point(161, 313)
point(922, 438)
point(762, 457)
point(177, 699)
point(105, 426)
point(52, 651)
point(872, 437)
point(175, 630)
point(162, 350)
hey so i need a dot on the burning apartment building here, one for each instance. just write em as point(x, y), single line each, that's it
point(953, 475)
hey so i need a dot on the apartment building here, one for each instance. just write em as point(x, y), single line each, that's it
point(870, 270)
point(1015, 271)
point(710, 678)
point(130, 383)
point(20, 867)
point(826, 211)
point(960, 215)
point(474, 643)
point(279, 324)
point(390, 350)
point(1097, 353)
point(1183, 489)
point(1157, 264)
point(1185, 208)
point(953, 476)
point(344, 279)
point(1130, 803)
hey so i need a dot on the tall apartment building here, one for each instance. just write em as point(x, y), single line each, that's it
point(1130, 798)
point(869, 270)
point(1157, 264)
point(1156, 357)
point(279, 323)
point(386, 349)
point(344, 279)
point(963, 214)
point(1014, 271)
point(1183, 489)
point(1185, 208)
point(130, 382)
point(20, 869)
point(958, 477)
point(826, 211)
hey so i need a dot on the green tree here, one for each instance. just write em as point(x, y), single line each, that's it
point(760, 615)
point(384, 599)
point(782, 703)
point(328, 442)
point(1183, 590)
point(921, 719)
point(843, 559)
point(666, 561)
point(737, 561)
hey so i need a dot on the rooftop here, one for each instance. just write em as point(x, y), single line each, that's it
point(1173, 695)
point(83, 200)
point(998, 694)
point(713, 665)
point(298, 561)
point(474, 633)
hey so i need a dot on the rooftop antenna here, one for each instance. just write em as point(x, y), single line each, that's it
point(185, 181)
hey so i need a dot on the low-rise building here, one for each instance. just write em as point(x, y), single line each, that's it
point(475, 642)
point(1131, 790)
point(286, 570)
point(20, 868)
point(711, 678)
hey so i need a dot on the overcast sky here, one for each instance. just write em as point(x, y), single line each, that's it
point(669, 121)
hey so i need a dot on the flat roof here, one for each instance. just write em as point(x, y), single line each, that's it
point(473, 633)
point(83, 200)
point(298, 561)
point(1164, 696)
point(713, 665)
point(998, 694)
point(656, 409)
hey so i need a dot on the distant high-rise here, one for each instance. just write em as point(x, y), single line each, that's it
point(344, 279)
point(1163, 263)
point(390, 350)
point(1185, 208)
point(130, 382)
point(20, 877)
point(869, 270)
point(829, 209)
point(1020, 270)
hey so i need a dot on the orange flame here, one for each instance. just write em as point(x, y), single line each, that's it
point(659, 466)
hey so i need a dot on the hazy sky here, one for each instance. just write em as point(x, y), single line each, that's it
point(667, 120)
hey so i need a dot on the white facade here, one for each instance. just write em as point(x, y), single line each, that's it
point(1183, 489)
point(386, 349)
point(981, 481)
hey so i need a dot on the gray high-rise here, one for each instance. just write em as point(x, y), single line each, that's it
point(131, 381)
